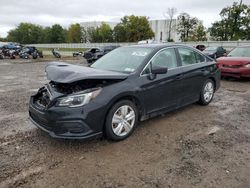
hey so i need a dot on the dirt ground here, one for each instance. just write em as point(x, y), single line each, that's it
point(195, 146)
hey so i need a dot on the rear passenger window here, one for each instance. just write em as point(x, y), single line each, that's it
point(189, 57)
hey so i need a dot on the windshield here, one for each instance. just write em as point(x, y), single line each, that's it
point(240, 52)
point(211, 48)
point(125, 59)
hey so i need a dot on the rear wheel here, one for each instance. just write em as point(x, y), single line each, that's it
point(207, 92)
point(121, 120)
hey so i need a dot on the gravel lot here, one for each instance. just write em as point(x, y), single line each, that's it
point(195, 146)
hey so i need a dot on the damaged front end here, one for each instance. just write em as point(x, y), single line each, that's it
point(62, 107)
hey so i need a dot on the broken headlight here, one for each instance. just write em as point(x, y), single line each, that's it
point(78, 99)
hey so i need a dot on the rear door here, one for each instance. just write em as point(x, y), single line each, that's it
point(194, 74)
point(161, 92)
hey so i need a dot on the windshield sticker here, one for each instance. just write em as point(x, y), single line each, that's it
point(129, 70)
point(139, 54)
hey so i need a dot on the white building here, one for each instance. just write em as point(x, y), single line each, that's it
point(97, 24)
point(161, 30)
point(159, 27)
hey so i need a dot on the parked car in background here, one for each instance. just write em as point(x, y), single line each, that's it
point(127, 85)
point(108, 49)
point(1, 54)
point(28, 51)
point(95, 53)
point(76, 54)
point(200, 47)
point(236, 64)
point(215, 51)
point(9, 52)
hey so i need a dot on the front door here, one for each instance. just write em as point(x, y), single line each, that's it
point(162, 91)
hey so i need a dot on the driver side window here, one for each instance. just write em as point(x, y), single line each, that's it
point(165, 58)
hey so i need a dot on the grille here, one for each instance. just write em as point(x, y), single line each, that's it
point(43, 98)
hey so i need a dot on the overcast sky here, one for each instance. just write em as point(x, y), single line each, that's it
point(65, 12)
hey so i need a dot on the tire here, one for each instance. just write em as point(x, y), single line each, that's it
point(127, 125)
point(207, 92)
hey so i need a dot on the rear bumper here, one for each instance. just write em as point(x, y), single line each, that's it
point(235, 72)
point(67, 123)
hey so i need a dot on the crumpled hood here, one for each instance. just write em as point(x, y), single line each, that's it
point(67, 73)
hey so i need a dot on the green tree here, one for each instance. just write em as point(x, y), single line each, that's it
point(132, 29)
point(199, 33)
point(119, 33)
point(103, 33)
point(93, 35)
point(186, 26)
point(234, 23)
point(57, 34)
point(46, 35)
point(74, 33)
point(26, 33)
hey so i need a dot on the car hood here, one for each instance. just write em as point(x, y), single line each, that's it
point(67, 73)
point(234, 60)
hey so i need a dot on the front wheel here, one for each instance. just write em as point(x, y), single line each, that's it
point(207, 92)
point(121, 120)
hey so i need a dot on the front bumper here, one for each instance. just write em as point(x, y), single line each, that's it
point(68, 123)
point(235, 72)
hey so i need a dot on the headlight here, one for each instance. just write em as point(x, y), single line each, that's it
point(247, 65)
point(78, 99)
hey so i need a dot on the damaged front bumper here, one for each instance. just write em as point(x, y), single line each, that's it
point(64, 122)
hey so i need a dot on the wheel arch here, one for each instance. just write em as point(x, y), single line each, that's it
point(129, 97)
point(214, 81)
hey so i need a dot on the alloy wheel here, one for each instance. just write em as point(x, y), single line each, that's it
point(123, 120)
point(208, 91)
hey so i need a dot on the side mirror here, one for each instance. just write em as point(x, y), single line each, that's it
point(159, 70)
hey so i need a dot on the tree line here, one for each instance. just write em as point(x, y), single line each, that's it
point(234, 25)
point(130, 29)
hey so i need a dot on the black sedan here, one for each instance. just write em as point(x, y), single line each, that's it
point(215, 51)
point(95, 53)
point(128, 85)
